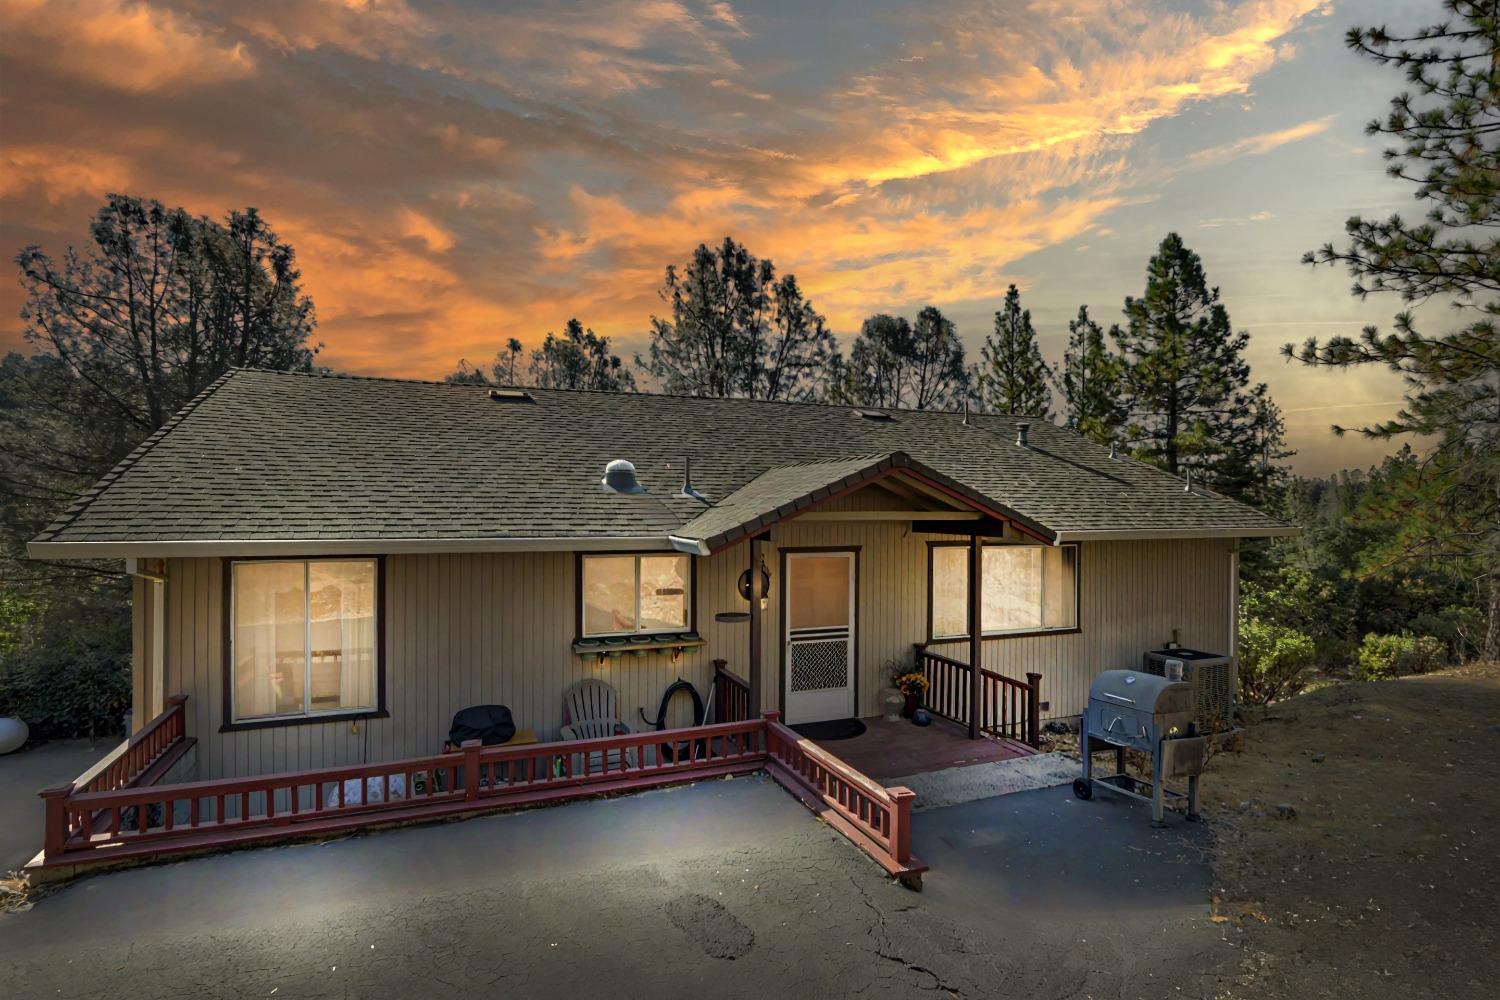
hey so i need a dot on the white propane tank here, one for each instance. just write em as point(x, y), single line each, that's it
point(13, 733)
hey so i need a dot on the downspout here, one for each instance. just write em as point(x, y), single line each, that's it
point(153, 573)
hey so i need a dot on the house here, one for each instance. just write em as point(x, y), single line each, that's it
point(328, 567)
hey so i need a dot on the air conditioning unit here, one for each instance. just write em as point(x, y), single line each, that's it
point(1212, 678)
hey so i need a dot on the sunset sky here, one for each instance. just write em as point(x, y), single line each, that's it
point(458, 172)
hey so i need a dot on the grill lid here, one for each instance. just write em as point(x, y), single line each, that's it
point(1133, 689)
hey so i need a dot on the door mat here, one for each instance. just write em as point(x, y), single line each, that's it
point(830, 731)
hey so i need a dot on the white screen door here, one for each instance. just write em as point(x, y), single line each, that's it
point(819, 636)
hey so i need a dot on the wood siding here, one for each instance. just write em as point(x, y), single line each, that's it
point(496, 628)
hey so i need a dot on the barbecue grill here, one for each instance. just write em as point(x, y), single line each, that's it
point(1130, 710)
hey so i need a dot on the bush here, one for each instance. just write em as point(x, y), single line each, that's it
point(1386, 656)
point(67, 671)
point(1274, 660)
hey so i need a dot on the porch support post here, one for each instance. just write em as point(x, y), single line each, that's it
point(976, 580)
point(757, 618)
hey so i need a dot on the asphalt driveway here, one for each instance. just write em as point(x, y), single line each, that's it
point(727, 888)
point(22, 775)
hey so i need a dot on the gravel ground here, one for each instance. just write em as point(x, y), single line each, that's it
point(727, 887)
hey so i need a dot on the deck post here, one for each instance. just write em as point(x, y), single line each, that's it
point(1034, 709)
point(471, 768)
point(976, 583)
point(55, 836)
point(901, 800)
point(756, 620)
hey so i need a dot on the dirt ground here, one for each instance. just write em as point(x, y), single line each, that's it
point(1380, 880)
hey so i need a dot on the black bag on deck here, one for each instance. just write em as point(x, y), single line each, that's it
point(490, 724)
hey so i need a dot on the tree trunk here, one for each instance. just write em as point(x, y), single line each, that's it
point(1492, 636)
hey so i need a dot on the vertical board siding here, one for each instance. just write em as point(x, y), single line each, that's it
point(472, 629)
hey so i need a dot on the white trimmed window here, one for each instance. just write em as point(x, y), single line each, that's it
point(1025, 588)
point(302, 639)
point(632, 594)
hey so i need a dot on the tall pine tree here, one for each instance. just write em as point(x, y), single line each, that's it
point(1013, 378)
point(1091, 382)
point(1447, 502)
point(736, 331)
point(1191, 405)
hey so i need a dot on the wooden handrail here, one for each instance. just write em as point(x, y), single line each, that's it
point(125, 822)
point(731, 694)
point(1008, 707)
point(153, 739)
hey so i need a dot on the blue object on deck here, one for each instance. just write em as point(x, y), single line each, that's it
point(921, 717)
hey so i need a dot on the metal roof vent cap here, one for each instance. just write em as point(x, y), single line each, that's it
point(619, 477)
point(1023, 435)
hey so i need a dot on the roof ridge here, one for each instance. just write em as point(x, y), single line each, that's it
point(76, 509)
point(817, 404)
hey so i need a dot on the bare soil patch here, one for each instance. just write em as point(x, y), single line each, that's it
point(1355, 849)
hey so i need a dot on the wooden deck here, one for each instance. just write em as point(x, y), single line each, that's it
point(893, 749)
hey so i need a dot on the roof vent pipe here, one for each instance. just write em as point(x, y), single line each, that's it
point(687, 492)
point(966, 410)
point(619, 477)
point(1023, 435)
point(1114, 449)
point(1187, 482)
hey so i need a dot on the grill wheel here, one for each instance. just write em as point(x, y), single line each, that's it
point(1083, 789)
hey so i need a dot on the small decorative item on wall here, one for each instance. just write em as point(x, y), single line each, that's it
point(912, 685)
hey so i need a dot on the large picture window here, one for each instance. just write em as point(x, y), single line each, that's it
point(1024, 588)
point(631, 594)
point(303, 638)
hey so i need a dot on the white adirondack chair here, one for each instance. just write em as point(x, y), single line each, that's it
point(590, 711)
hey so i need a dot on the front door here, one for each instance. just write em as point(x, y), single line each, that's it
point(819, 636)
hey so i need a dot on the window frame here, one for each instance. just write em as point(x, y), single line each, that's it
point(228, 724)
point(691, 595)
point(1077, 625)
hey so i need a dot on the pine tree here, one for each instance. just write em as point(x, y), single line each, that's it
point(1447, 502)
point(579, 359)
point(736, 331)
point(899, 364)
point(1191, 405)
point(1013, 378)
point(1091, 382)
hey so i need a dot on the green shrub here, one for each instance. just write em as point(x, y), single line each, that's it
point(1274, 660)
point(67, 671)
point(1386, 656)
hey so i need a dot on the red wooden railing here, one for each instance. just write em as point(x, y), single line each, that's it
point(126, 764)
point(731, 694)
point(876, 819)
point(1007, 707)
point(88, 826)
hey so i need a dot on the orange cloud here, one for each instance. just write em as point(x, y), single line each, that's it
point(135, 47)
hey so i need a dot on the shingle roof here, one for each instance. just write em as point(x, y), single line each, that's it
point(265, 457)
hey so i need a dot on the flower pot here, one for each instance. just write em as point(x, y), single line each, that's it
point(913, 702)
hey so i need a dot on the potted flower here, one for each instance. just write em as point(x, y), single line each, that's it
point(913, 685)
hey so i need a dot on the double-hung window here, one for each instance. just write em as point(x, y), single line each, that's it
point(631, 594)
point(1023, 588)
point(303, 638)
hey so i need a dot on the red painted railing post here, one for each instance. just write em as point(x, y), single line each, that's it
point(1034, 709)
point(55, 835)
point(471, 769)
point(901, 800)
point(768, 716)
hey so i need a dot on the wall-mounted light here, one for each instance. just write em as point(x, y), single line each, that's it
point(765, 585)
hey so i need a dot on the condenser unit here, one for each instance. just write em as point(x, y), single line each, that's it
point(1212, 678)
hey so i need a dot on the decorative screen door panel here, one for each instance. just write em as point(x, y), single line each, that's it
point(819, 636)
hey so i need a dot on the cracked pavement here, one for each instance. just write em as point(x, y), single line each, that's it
point(726, 887)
